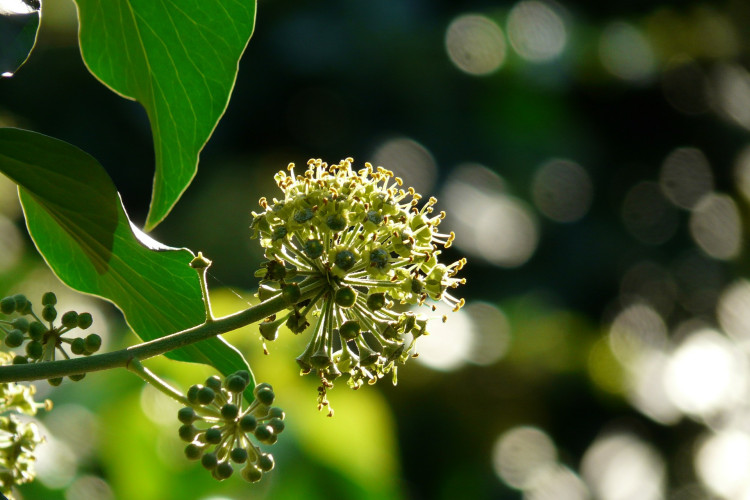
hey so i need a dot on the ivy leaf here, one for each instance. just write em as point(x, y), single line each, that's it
point(19, 25)
point(76, 219)
point(179, 60)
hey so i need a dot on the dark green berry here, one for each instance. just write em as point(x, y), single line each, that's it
point(277, 424)
point(193, 451)
point(78, 346)
point(314, 249)
point(85, 320)
point(345, 296)
point(14, 338)
point(244, 374)
point(265, 462)
point(49, 299)
point(278, 233)
point(37, 330)
point(336, 222)
point(265, 395)
point(21, 323)
point(263, 432)
point(186, 415)
point(49, 313)
point(214, 382)
point(272, 439)
point(34, 349)
point(55, 381)
point(8, 305)
point(376, 301)
point(23, 305)
point(230, 411)
point(349, 330)
point(345, 259)
point(213, 435)
point(276, 412)
point(235, 383)
point(93, 342)
point(238, 455)
point(206, 395)
point(20, 360)
point(192, 393)
point(224, 470)
point(209, 461)
point(77, 377)
point(69, 319)
point(251, 474)
point(187, 432)
point(303, 215)
point(248, 423)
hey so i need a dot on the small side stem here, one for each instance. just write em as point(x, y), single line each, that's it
point(150, 377)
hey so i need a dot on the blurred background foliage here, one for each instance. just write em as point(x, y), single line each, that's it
point(594, 161)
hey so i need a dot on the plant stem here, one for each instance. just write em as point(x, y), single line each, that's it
point(137, 367)
point(121, 358)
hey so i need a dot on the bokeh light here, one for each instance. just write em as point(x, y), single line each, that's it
point(637, 328)
point(475, 44)
point(685, 85)
point(490, 224)
point(491, 333)
point(621, 466)
point(733, 311)
point(722, 461)
point(686, 177)
point(626, 53)
point(562, 190)
point(742, 172)
point(450, 343)
point(521, 455)
point(89, 488)
point(648, 215)
point(557, 483)
point(731, 93)
point(536, 31)
point(409, 160)
point(716, 226)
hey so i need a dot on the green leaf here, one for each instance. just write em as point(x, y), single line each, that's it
point(76, 219)
point(19, 25)
point(179, 60)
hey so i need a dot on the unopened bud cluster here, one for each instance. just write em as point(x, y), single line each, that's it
point(43, 340)
point(18, 439)
point(369, 246)
point(220, 432)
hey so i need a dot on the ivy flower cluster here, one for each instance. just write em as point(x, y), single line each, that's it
point(219, 431)
point(43, 340)
point(371, 250)
point(18, 440)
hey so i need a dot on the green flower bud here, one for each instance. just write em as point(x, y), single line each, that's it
point(214, 382)
point(206, 395)
point(374, 217)
point(69, 319)
point(20, 360)
point(349, 330)
point(277, 425)
point(49, 313)
point(14, 338)
point(244, 374)
point(21, 323)
point(238, 455)
point(23, 306)
point(376, 301)
point(265, 462)
point(77, 377)
point(34, 349)
point(314, 248)
point(192, 393)
point(55, 381)
point(303, 215)
point(78, 346)
point(187, 432)
point(235, 383)
point(345, 296)
point(264, 394)
point(276, 412)
point(93, 342)
point(251, 474)
point(186, 415)
point(8, 305)
point(49, 299)
point(263, 433)
point(193, 451)
point(213, 435)
point(291, 293)
point(248, 423)
point(224, 470)
point(230, 411)
point(37, 330)
point(85, 320)
point(336, 222)
point(345, 259)
point(209, 461)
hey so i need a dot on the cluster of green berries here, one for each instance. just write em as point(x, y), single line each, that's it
point(362, 242)
point(220, 432)
point(42, 338)
point(18, 439)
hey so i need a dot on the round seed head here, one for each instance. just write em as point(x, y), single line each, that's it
point(49, 299)
point(235, 383)
point(34, 349)
point(376, 301)
point(85, 320)
point(263, 433)
point(14, 338)
point(314, 248)
point(349, 330)
point(69, 319)
point(206, 395)
point(251, 474)
point(37, 330)
point(345, 259)
point(23, 305)
point(291, 293)
point(192, 393)
point(230, 411)
point(266, 462)
point(238, 455)
point(244, 374)
point(277, 424)
point(93, 342)
point(78, 346)
point(49, 313)
point(214, 382)
point(209, 461)
point(187, 432)
point(21, 323)
point(336, 222)
point(345, 296)
point(248, 423)
point(193, 451)
point(186, 415)
point(224, 470)
point(276, 412)
point(265, 395)
point(20, 360)
point(213, 435)
point(8, 305)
